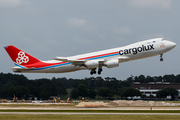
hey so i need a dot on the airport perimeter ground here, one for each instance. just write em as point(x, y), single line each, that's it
point(20, 111)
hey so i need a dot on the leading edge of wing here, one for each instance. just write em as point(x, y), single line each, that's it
point(73, 61)
point(64, 59)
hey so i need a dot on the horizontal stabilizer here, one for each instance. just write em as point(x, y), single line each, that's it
point(21, 69)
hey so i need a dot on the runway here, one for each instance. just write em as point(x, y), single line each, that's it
point(56, 108)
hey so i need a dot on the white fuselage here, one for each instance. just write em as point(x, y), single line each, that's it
point(139, 50)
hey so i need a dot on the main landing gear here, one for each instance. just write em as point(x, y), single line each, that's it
point(161, 59)
point(99, 71)
point(93, 71)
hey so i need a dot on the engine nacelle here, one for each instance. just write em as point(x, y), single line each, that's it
point(112, 63)
point(92, 64)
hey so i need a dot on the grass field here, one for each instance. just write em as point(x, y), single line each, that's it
point(88, 117)
point(172, 101)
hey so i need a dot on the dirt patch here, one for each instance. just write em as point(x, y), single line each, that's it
point(116, 103)
point(92, 104)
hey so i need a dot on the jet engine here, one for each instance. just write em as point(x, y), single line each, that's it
point(92, 64)
point(112, 63)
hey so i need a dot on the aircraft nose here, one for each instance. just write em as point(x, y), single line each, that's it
point(171, 45)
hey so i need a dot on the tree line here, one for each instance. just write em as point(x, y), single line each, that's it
point(93, 87)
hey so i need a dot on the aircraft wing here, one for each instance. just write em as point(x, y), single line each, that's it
point(75, 62)
point(81, 62)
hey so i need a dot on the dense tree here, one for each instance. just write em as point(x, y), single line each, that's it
point(22, 87)
point(19, 85)
point(83, 90)
point(92, 93)
point(130, 92)
point(105, 92)
point(44, 92)
point(74, 94)
point(166, 92)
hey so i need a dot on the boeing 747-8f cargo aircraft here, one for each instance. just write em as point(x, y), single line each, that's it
point(110, 58)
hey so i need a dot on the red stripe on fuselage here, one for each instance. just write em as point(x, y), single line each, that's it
point(97, 56)
point(43, 64)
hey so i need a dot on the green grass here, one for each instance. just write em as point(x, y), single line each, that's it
point(172, 101)
point(97, 111)
point(88, 117)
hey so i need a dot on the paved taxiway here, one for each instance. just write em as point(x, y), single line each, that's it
point(82, 108)
point(58, 113)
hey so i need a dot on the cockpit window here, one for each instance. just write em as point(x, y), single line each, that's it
point(162, 39)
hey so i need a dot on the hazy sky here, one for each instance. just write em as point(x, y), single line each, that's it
point(50, 28)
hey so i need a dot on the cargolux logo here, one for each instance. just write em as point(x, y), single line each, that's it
point(22, 58)
point(136, 50)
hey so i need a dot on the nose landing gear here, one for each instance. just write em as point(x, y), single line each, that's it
point(161, 59)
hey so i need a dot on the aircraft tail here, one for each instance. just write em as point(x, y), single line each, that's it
point(20, 57)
